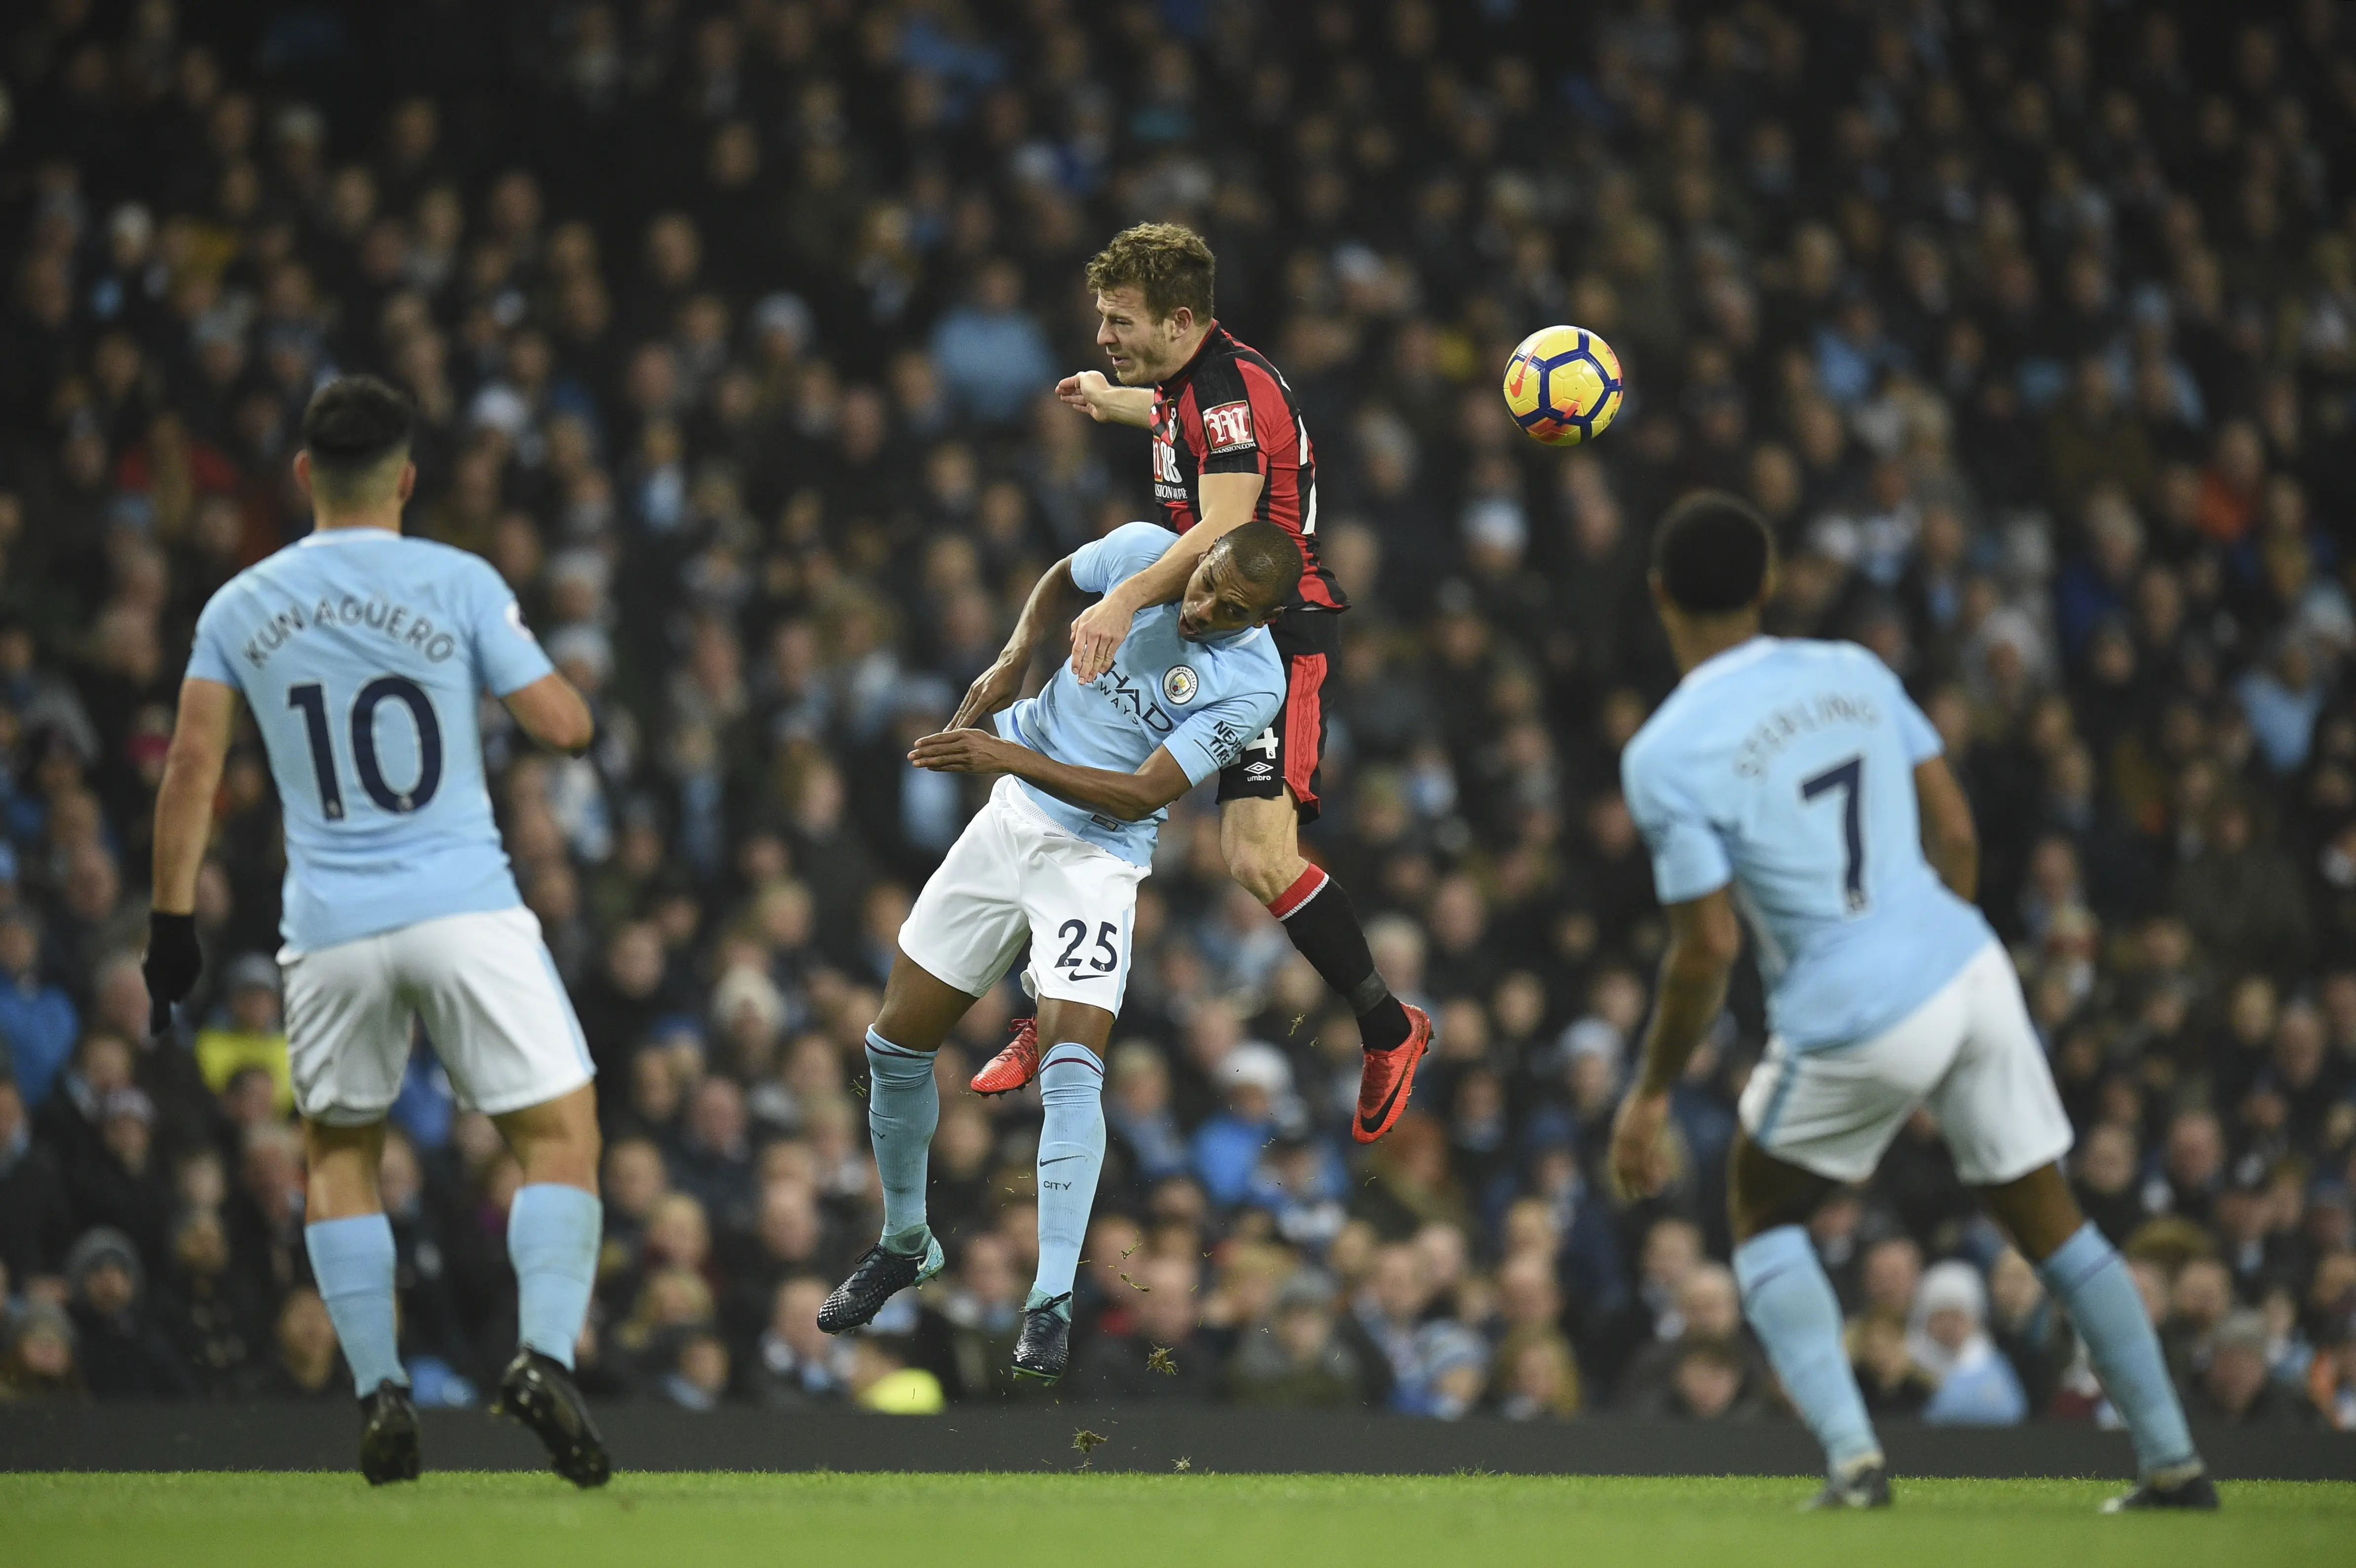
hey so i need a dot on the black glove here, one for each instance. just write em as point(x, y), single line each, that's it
point(172, 963)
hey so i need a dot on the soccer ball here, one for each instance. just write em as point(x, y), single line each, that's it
point(1562, 386)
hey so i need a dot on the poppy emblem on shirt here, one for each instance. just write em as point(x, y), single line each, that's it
point(1179, 683)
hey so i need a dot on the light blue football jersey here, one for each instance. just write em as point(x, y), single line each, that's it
point(1786, 767)
point(363, 655)
point(1205, 701)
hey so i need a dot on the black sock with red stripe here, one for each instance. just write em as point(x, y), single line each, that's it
point(1318, 916)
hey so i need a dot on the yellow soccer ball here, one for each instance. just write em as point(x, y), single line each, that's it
point(1563, 386)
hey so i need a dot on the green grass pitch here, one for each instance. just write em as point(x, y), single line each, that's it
point(722, 1520)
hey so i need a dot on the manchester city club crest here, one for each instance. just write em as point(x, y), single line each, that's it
point(1179, 683)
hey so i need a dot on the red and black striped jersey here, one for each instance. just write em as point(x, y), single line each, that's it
point(1228, 411)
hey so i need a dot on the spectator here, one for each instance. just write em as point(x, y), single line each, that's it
point(251, 1034)
point(1892, 1382)
point(772, 534)
point(309, 1365)
point(994, 357)
point(37, 1021)
point(1297, 1359)
point(1707, 1306)
point(38, 1361)
point(1947, 1335)
point(121, 1354)
point(1164, 1358)
point(1709, 1382)
point(1227, 1147)
point(211, 1311)
point(1538, 1378)
point(793, 1363)
point(36, 1221)
point(1136, 1113)
point(2237, 1388)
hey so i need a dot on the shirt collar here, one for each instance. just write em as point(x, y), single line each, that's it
point(1179, 375)
point(1726, 661)
point(341, 536)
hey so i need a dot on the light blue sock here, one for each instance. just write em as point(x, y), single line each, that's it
point(904, 1106)
point(1792, 1306)
point(1071, 1154)
point(552, 1236)
point(2087, 1275)
point(352, 1261)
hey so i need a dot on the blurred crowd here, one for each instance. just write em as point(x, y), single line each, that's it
point(2032, 327)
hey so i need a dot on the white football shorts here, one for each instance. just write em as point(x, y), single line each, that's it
point(483, 985)
point(1015, 875)
point(1969, 1053)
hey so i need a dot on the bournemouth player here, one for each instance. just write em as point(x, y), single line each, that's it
point(1055, 860)
point(1229, 447)
point(362, 655)
point(1797, 780)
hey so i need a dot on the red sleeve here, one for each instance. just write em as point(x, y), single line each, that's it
point(1272, 416)
point(1222, 421)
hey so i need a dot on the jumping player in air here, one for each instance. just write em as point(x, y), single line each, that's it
point(363, 656)
point(1229, 448)
point(1795, 782)
point(1055, 860)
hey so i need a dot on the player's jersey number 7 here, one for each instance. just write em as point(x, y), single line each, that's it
point(1848, 778)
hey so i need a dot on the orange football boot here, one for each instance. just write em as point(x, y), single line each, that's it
point(1386, 1080)
point(1013, 1067)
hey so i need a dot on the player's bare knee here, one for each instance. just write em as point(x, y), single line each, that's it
point(1763, 1192)
point(1264, 864)
point(1077, 1022)
point(2038, 1209)
point(340, 1170)
point(919, 1008)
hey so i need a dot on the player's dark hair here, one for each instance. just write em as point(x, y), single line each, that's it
point(1167, 262)
point(352, 425)
point(1264, 556)
point(1711, 550)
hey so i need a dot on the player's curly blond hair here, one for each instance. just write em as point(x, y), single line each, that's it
point(1168, 262)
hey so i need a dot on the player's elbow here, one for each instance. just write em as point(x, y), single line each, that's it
point(192, 770)
point(1709, 941)
point(1953, 837)
point(1135, 803)
point(555, 715)
point(566, 728)
point(573, 731)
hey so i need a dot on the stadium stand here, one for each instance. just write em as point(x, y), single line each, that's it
point(2032, 327)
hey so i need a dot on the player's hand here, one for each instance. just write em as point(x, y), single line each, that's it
point(1640, 1162)
point(991, 691)
point(172, 963)
point(1097, 633)
point(1086, 392)
point(961, 751)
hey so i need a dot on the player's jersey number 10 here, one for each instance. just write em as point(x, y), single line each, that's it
point(311, 698)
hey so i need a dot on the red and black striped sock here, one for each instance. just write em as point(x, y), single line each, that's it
point(1323, 927)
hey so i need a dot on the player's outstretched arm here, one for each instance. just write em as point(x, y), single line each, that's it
point(1228, 503)
point(1705, 939)
point(553, 713)
point(1949, 838)
point(183, 825)
point(1130, 797)
point(1051, 600)
point(1094, 395)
